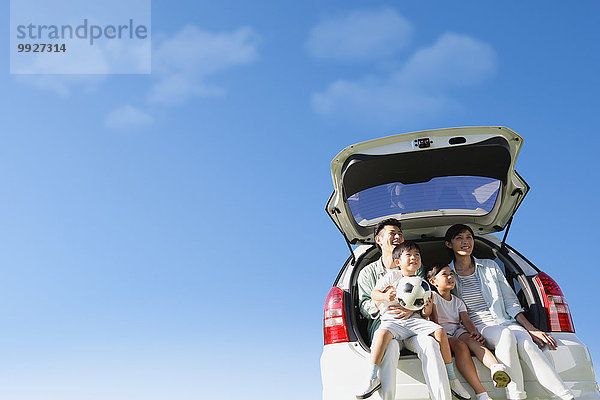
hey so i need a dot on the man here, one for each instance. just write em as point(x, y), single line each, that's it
point(388, 235)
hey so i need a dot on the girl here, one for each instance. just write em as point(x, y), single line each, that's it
point(449, 311)
point(497, 314)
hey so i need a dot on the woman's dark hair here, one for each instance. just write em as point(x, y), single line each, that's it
point(454, 231)
point(404, 246)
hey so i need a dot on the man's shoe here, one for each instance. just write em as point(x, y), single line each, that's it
point(458, 390)
point(499, 375)
point(374, 384)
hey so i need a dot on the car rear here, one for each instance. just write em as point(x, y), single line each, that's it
point(345, 357)
point(430, 180)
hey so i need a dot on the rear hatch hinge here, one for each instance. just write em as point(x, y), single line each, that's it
point(336, 222)
point(503, 249)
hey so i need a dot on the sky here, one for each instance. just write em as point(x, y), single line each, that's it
point(164, 234)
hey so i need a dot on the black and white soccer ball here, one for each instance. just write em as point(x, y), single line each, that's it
point(412, 292)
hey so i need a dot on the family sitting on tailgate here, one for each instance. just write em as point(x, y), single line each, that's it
point(459, 316)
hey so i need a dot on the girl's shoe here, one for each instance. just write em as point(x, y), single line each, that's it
point(499, 375)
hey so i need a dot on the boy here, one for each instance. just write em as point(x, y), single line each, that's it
point(407, 257)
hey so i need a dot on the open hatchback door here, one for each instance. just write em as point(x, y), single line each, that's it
point(428, 180)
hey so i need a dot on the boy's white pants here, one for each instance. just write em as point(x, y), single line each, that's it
point(434, 370)
point(513, 341)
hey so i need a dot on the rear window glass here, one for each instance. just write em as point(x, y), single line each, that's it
point(472, 193)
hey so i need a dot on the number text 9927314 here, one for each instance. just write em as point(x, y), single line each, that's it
point(41, 48)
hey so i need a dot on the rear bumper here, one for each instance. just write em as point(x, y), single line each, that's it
point(344, 370)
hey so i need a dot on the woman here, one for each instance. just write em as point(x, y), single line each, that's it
point(498, 316)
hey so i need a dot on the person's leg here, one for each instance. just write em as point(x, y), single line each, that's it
point(456, 387)
point(387, 370)
point(381, 338)
point(498, 371)
point(442, 338)
point(434, 371)
point(464, 363)
point(502, 339)
point(539, 364)
point(482, 353)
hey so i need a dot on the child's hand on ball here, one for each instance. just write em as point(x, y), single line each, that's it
point(391, 295)
point(390, 292)
point(428, 301)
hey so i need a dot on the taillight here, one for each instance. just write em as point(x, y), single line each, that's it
point(557, 309)
point(334, 317)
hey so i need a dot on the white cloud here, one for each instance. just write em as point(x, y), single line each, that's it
point(379, 101)
point(84, 68)
point(454, 60)
point(418, 90)
point(182, 65)
point(127, 118)
point(185, 62)
point(61, 85)
point(360, 35)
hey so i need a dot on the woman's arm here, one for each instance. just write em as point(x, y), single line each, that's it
point(512, 306)
point(539, 337)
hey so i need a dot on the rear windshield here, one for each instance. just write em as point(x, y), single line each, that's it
point(472, 193)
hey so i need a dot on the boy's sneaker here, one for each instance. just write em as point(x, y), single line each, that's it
point(499, 375)
point(374, 384)
point(458, 390)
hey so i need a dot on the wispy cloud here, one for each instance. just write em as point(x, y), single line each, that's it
point(127, 118)
point(184, 66)
point(85, 68)
point(379, 101)
point(416, 91)
point(454, 60)
point(62, 85)
point(185, 62)
point(360, 35)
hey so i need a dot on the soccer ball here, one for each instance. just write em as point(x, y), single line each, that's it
point(412, 292)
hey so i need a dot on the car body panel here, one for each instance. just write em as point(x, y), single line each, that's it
point(452, 153)
point(344, 367)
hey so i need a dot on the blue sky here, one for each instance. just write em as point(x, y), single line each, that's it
point(164, 235)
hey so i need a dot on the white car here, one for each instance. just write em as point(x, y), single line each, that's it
point(431, 180)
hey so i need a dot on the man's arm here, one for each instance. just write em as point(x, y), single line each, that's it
point(366, 284)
